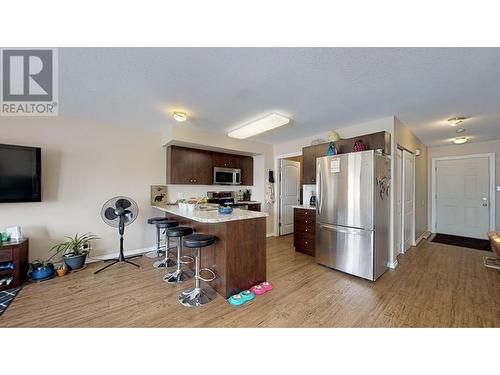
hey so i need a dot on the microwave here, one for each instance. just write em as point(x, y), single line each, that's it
point(227, 176)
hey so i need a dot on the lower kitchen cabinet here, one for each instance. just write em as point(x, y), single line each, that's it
point(254, 207)
point(304, 228)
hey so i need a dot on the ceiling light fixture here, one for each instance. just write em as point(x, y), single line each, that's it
point(262, 125)
point(459, 140)
point(180, 116)
point(454, 121)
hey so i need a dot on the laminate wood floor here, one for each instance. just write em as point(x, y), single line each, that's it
point(434, 285)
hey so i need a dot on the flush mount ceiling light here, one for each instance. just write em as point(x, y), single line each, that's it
point(180, 116)
point(262, 125)
point(459, 140)
point(454, 121)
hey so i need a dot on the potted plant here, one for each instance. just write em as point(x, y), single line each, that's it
point(61, 269)
point(74, 251)
point(41, 269)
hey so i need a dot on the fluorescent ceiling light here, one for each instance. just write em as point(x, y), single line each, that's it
point(180, 116)
point(262, 125)
point(459, 140)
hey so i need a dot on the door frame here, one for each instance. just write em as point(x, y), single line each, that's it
point(277, 181)
point(492, 207)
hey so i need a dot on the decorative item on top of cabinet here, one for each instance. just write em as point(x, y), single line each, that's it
point(374, 141)
point(304, 230)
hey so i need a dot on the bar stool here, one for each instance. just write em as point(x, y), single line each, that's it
point(156, 253)
point(180, 274)
point(198, 296)
point(167, 262)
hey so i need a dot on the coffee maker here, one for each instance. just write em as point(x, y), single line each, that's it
point(312, 201)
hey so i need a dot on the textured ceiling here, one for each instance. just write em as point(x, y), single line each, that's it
point(319, 88)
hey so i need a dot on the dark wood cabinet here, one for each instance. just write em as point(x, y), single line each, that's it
point(246, 166)
point(309, 164)
point(189, 166)
point(304, 230)
point(192, 166)
point(374, 141)
point(254, 207)
point(17, 253)
point(223, 160)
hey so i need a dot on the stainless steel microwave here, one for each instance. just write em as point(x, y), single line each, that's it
point(227, 176)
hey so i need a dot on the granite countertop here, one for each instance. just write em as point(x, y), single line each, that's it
point(212, 216)
point(305, 207)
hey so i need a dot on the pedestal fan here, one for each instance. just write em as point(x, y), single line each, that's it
point(119, 212)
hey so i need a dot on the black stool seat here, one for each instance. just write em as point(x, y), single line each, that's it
point(167, 224)
point(179, 231)
point(155, 220)
point(198, 240)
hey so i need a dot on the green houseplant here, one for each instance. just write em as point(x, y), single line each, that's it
point(74, 250)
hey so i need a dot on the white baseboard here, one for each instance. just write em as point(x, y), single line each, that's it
point(392, 265)
point(127, 253)
point(271, 235)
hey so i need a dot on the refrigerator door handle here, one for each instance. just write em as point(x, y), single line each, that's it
point(336, 228)
point(318, 189)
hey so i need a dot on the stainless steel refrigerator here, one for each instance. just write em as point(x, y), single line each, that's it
point(352, 213)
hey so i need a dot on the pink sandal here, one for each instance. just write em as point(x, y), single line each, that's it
point(267, 286)
point(257, 290)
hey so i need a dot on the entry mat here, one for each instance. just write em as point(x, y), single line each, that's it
point(6, 297)
point(471, 243)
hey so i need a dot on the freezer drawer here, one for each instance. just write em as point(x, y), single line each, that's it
point(345, 249)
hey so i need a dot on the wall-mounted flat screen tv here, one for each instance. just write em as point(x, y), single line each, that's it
point(20, 174)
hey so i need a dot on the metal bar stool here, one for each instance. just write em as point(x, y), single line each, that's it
point(165, 225)
point(159, 249)
point(198, 296)
point(180, 274)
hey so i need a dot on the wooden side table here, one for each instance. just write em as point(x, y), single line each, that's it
point(16, 252)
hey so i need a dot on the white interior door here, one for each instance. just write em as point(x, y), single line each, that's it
point(462, 197)
point(398, 220)
point(289, 194)
point(408, 199)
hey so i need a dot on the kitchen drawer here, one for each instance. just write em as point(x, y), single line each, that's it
point(5, 255)
point(305, 244)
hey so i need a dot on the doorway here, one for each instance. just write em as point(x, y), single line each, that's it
point(463, 195)
point(289, 192)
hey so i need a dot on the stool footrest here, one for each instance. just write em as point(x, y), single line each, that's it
point(210, 271)
point(186, 259)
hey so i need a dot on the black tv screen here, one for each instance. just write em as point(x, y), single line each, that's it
point(20, 174)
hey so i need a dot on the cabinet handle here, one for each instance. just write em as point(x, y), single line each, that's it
point(306, 242)
point(306, 230)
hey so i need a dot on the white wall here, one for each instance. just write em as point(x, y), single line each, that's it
point(459, 150)
point(195, 137)
point(83, 165)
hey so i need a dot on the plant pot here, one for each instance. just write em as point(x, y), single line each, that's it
point(62, 271)
point(41, 272)
point(75, 262)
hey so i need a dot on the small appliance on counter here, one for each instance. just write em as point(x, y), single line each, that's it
point(312, 201)
point(247, 195)
point(221, 197)
point(308, 192)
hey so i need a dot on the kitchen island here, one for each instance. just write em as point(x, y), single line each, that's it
point(238, 256)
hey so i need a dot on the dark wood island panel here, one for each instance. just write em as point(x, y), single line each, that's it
point(238, 256)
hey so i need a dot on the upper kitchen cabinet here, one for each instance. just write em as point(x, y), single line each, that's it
point(374, 141)
point(196, 167)
point(223, 160)
point(246, 166)
point(189, 166)
point(309, 164)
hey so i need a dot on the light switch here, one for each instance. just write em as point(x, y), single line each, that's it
point(498, 188)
